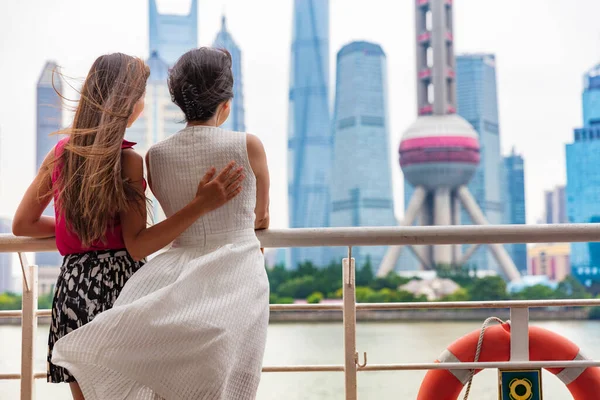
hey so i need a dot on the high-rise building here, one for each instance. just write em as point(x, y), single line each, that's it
point(361, 185)
point(310, 133)
point(49, 120)
point(224, 40)
point(591, 97)
point(7, 283)
point(552, 260)
point(514, 212)
point(172, 35)
point(478, 104)
point(555, 203)
point(583, 180)
point(160, 119)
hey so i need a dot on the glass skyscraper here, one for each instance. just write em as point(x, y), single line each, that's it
point(49, 120)
point(514, 212)
point(160, 119)
point(478, 104)
point(310, 133)
point(361, 184)
point(172, 35)
point(224, 40)
point(591, 97)
point(583, 180)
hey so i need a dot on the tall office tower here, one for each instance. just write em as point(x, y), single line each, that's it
point(478, 104)
point(514, 202)
point(7, 283)
point(361, 184)
point(583, 180)
point(310, 133)
point(160, 119)
point(555, 203)
point(224, 40)
point(440, 153)
point(49, 120)
point(172, 35)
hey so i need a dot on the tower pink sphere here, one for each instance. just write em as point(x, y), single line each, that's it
point(439, 151)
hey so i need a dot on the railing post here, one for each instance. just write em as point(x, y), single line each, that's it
point(28, 328)
point(519, 334)
point(349, 311)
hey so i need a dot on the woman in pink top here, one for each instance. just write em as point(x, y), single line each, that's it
point(96, 180)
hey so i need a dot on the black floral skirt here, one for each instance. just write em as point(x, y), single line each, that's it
point(88, 284)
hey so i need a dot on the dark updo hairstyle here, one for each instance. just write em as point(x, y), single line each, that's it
point(201, 80)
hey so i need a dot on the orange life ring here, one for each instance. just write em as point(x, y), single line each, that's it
point(544, 345)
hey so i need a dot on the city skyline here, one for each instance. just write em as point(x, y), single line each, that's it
point(237, 116)
point(49, 119)
point(360, 123)
point(270, 124)
point(171, 35)
point(310, 135)
point(515, 210)
point(477, 102)
point(583, 179)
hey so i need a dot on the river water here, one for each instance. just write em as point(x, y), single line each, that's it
point(321, 343)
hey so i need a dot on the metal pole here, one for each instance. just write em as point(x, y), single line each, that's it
point(519, 334)
point(498, 251)
point(442, 215)
point(393, 253)
point(28, 329)
point(349, 311)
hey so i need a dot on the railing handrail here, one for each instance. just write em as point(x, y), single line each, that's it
point(383, 236)
point(350, 237)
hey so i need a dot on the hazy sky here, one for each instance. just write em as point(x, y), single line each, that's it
point(543, 48)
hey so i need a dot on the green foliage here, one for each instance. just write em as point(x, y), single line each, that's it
point(315, 298)
point(314, 284)
point(274, 299)
point(297, 288)
point(490, 288)
point(364, 275)
point(536, 292)
point(12, 301)
point(461, 294)
point(571, 288)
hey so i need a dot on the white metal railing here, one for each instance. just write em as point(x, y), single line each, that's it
point(349, 237)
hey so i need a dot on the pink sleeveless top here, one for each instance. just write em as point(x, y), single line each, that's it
point(68, 242)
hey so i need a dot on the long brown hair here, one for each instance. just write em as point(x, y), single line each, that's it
point(91, 189)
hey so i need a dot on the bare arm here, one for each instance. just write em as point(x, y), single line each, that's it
point(258, 162)
point(28, 220)
point(141, 240)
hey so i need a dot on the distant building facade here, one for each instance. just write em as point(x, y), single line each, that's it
point(237, 116)
point(515, 210)
point(49, 120)
point(552, 260)
point(361, 186)
point(583, 180)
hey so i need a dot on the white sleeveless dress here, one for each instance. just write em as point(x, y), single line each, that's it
point(191, 324)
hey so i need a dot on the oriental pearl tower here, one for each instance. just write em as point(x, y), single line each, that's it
point(439, 152)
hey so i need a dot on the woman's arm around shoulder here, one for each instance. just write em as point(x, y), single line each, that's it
point(258, 162)
point(28, 220)
point(141, 240)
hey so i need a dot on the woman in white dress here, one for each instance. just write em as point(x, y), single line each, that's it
point(192, 323)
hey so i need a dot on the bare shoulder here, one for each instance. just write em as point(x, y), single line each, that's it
point(254, 146)
point(132, 164)
point(49, 159)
